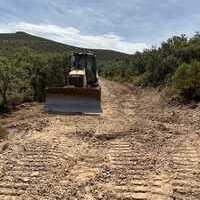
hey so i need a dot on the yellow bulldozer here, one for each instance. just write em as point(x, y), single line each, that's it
point(81, 92)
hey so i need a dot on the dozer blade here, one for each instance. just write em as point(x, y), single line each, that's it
point(73, 100)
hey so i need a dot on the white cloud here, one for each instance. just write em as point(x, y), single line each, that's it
point(73, 36)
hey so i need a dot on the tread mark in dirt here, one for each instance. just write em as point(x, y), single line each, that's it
point(26, 169)
point(132, 174)
point(186, 182)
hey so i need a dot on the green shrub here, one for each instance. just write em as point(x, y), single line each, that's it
point(186, 81)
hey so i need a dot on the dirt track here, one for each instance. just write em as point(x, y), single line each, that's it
point(139, 148)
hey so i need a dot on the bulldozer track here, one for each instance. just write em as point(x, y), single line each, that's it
point(26, 169)
point(186, 169)
point(132, 175)
point(137, 182)
point(134, 178)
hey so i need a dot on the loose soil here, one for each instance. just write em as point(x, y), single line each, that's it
point(139, 148)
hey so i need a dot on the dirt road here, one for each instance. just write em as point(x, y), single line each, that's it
point(139, 148)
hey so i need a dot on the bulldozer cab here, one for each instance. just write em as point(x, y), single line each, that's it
point(85, 62)
point(78, 61)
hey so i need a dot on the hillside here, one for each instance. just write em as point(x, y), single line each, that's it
point(10, 42)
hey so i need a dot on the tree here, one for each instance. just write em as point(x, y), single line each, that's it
point(187, 80)
point(7, 80)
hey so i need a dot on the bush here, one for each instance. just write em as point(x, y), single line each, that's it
point(186, 81)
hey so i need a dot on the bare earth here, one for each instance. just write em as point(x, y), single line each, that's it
point(139, 148)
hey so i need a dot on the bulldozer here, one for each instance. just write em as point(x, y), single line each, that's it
point(81, 93)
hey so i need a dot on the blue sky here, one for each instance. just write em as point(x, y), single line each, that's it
point(123, 25)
